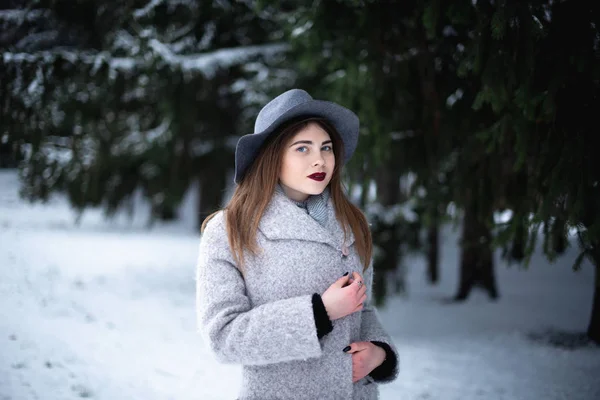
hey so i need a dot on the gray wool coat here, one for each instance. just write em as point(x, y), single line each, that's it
point(264, 319)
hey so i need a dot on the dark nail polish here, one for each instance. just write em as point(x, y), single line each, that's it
point(347, 348)
point(345, 274)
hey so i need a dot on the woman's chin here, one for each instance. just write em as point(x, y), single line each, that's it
point(315, 188)
point(310, 188)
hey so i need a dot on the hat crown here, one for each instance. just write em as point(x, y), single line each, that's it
point(278, 106)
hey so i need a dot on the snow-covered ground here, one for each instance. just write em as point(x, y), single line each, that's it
point(105, 310)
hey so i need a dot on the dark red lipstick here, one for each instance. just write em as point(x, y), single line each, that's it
point(319, 176)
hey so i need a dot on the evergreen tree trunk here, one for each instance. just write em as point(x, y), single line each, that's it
point(477, 263)
point(517, 250)
point(433, 250)
point(8, 154)
point(211, 186)
point(430, 120)
point(594, 328)
point(386, 235)
point(364, 194)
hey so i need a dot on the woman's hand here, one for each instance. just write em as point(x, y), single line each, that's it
point(342, 298)
point(365, 358)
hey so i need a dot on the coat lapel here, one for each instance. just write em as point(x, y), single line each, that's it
point(284, 220)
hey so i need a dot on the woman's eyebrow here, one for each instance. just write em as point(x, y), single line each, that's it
point(308, 142)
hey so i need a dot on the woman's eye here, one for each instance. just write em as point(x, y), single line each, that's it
point(302, 149)
point(326, 148)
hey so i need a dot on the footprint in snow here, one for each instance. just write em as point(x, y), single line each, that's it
point(82, 391)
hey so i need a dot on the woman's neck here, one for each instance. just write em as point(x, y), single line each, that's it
point(294, 195)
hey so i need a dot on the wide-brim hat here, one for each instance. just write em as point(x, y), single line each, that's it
point(292, 105)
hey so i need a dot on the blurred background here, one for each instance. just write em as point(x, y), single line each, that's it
point(477, 168)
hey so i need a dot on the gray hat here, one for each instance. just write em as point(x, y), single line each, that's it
point(290, 105)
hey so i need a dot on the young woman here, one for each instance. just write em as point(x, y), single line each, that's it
point(280, 287)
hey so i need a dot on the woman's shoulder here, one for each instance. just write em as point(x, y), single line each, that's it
point(215, 228)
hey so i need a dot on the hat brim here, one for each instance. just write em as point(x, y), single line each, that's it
point(345, 122)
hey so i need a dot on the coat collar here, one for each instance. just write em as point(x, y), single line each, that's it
point(285, 220)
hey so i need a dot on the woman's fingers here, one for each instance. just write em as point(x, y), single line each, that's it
point(358, 280)
point(362, 290)
point(356, 283)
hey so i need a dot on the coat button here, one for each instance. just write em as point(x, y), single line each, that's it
point(345, 250)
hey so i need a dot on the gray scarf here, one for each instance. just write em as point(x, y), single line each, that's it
point(315, 205)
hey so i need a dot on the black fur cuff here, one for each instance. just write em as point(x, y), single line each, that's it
point(322, 320)
point(386, 370)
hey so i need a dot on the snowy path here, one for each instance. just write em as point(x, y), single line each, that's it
point(105, 310)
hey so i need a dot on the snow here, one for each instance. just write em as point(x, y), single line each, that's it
point(503, 217)
point(301, 30)
point(57, 150)
point(210, 29)
point(208, 63)
point(390, 214)
point(37, 40)
point(19, 16)
point(205, 63)
point(146, 9)
point(449, 31)
point(454, 97)
point(136, 142)
point(105, 310)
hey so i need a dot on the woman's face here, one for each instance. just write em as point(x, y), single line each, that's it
point(308, 163)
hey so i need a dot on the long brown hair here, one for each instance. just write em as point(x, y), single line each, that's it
point(253, 194)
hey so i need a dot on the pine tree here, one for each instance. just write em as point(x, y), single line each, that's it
point(486, 104)
point(540, 77)
point(376, 58)
point(141, 95)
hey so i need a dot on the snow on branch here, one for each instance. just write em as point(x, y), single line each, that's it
point(392, 214)
point(137, 142)
point(208, 63)
point(205, 63)
point(141, 12)
point(38, 39)
point(18, 16)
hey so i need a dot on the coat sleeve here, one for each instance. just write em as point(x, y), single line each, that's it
point(235, 330)
point(371, 329)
